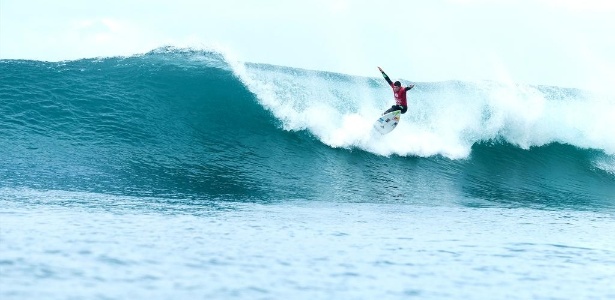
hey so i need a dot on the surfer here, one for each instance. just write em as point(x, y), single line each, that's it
point(399, 92)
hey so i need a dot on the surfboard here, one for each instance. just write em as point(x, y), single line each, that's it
point(388, 122)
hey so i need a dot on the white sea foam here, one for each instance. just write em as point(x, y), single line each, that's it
point(444, 118)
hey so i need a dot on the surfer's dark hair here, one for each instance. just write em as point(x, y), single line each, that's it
point(397, 83)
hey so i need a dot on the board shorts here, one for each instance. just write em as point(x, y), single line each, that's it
point(403, 109)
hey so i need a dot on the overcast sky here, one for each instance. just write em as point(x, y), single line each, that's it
point(566, 43)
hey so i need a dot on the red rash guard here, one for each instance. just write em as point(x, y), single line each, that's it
point(400, 96)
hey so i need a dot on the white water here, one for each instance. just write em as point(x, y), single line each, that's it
point(444, 118)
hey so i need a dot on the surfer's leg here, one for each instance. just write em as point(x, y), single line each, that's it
point(393, 108)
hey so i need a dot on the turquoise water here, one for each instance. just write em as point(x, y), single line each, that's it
point(181, 173)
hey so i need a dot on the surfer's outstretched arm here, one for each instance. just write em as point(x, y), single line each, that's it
point(386, 77)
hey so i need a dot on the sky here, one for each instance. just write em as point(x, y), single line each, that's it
point(567, 43)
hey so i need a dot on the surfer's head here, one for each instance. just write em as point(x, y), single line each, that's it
point(397, 84)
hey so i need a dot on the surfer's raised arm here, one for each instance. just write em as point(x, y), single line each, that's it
point(386, 77)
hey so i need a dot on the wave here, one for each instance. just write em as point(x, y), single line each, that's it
point(194, 122)
point(445, 118)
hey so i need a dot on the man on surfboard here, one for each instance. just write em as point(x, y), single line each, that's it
point(399, 92)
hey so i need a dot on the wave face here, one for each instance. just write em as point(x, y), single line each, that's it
point(195, 124)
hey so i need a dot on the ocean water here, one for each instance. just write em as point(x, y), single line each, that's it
point(183, 173)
